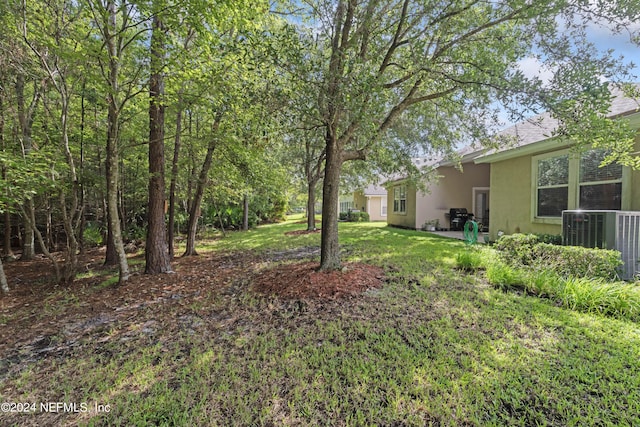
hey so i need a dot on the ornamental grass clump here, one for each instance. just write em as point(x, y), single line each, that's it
point(617, 299)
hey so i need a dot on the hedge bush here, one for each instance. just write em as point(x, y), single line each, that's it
point(516, 249)
point(526, 250)
point(353, 216)
point(576, 261)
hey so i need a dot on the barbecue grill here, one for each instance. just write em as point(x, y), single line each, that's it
point(457, 218)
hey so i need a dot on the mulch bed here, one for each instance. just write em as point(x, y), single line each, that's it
point(301, 232)
point(35, 307)
point(303, 281)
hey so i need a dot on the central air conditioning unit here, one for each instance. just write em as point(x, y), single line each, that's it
point(607, 229)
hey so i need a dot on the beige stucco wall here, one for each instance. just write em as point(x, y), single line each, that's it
point(370, 204)
point(511, 199)
point(375, 208)
point(407, 220)
point(454, 189)
point(359, 201)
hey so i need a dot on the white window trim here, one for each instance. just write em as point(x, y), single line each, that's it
point(383, 205)
point(399, 212)
point(573, 200)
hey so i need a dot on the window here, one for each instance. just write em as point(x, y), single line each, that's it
point(567, 181)
point(400, 199)
point(553, 185)
point(346, 206)
point(383, 206)
point(600, 187)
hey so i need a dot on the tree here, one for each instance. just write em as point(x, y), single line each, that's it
point(156, 250)
point(435, 63)
point(114, 21)
point(54, 47)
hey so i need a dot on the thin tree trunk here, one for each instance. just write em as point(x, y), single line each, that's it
point(194, 209)
point(25, 119)
point(245, 213)
point(115, 250)
point(311, 204)
point(28, 241)
point(156, 251)
point(174, 181)
point(4, 285)
point(30, 218)
point(8, 251)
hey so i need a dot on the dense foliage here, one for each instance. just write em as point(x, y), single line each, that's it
point(526, 250)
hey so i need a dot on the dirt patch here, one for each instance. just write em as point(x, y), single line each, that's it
point(303, 281)
point(304, 221)
point(40, 319)
point(300, 232)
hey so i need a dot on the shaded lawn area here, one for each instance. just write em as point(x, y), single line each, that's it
point(431, 346)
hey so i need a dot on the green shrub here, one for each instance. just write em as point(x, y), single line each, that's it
point(92, 236)
point(354, 216)
point(516, 249)
point(554, 239)
point(526, 250)
point(576, 261)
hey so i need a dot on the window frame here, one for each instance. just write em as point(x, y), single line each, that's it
point(398, 197)
point(574, 184)
point(537, 187)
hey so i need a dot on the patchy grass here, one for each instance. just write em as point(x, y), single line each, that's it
point(434, 346)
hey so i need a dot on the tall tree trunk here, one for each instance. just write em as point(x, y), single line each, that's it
point(329, 247)
point(156, 251)
point(194, 209)
point(8, 251)
point(28, 241)
point(311, 204)
point(25, 120)
point(114, 232)
point(174, 180)
point(245, 213)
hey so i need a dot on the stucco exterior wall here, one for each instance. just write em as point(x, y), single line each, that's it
point(454, 189)
point(511, 197)
point(359, 201)
point(408, 219)
point(374, 209)
point(370, 204)
point(635, 183)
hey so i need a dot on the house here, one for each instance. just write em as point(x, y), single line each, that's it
point(538, 177)
point(465, 187)
point(372, 199)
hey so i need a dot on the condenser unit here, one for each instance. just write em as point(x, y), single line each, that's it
point(607, 229)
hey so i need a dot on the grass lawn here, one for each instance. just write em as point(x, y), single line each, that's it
point(433, 346)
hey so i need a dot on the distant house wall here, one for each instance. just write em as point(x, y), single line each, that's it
point(371, 204)
point(454, 189)
point(374, 208)
point(359, 201)
point(405, 219)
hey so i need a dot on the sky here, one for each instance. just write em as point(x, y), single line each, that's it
point(604, 39)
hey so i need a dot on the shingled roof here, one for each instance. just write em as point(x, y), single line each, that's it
point(540, 128)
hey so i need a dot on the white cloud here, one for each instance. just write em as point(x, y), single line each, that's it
point(532, 67)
